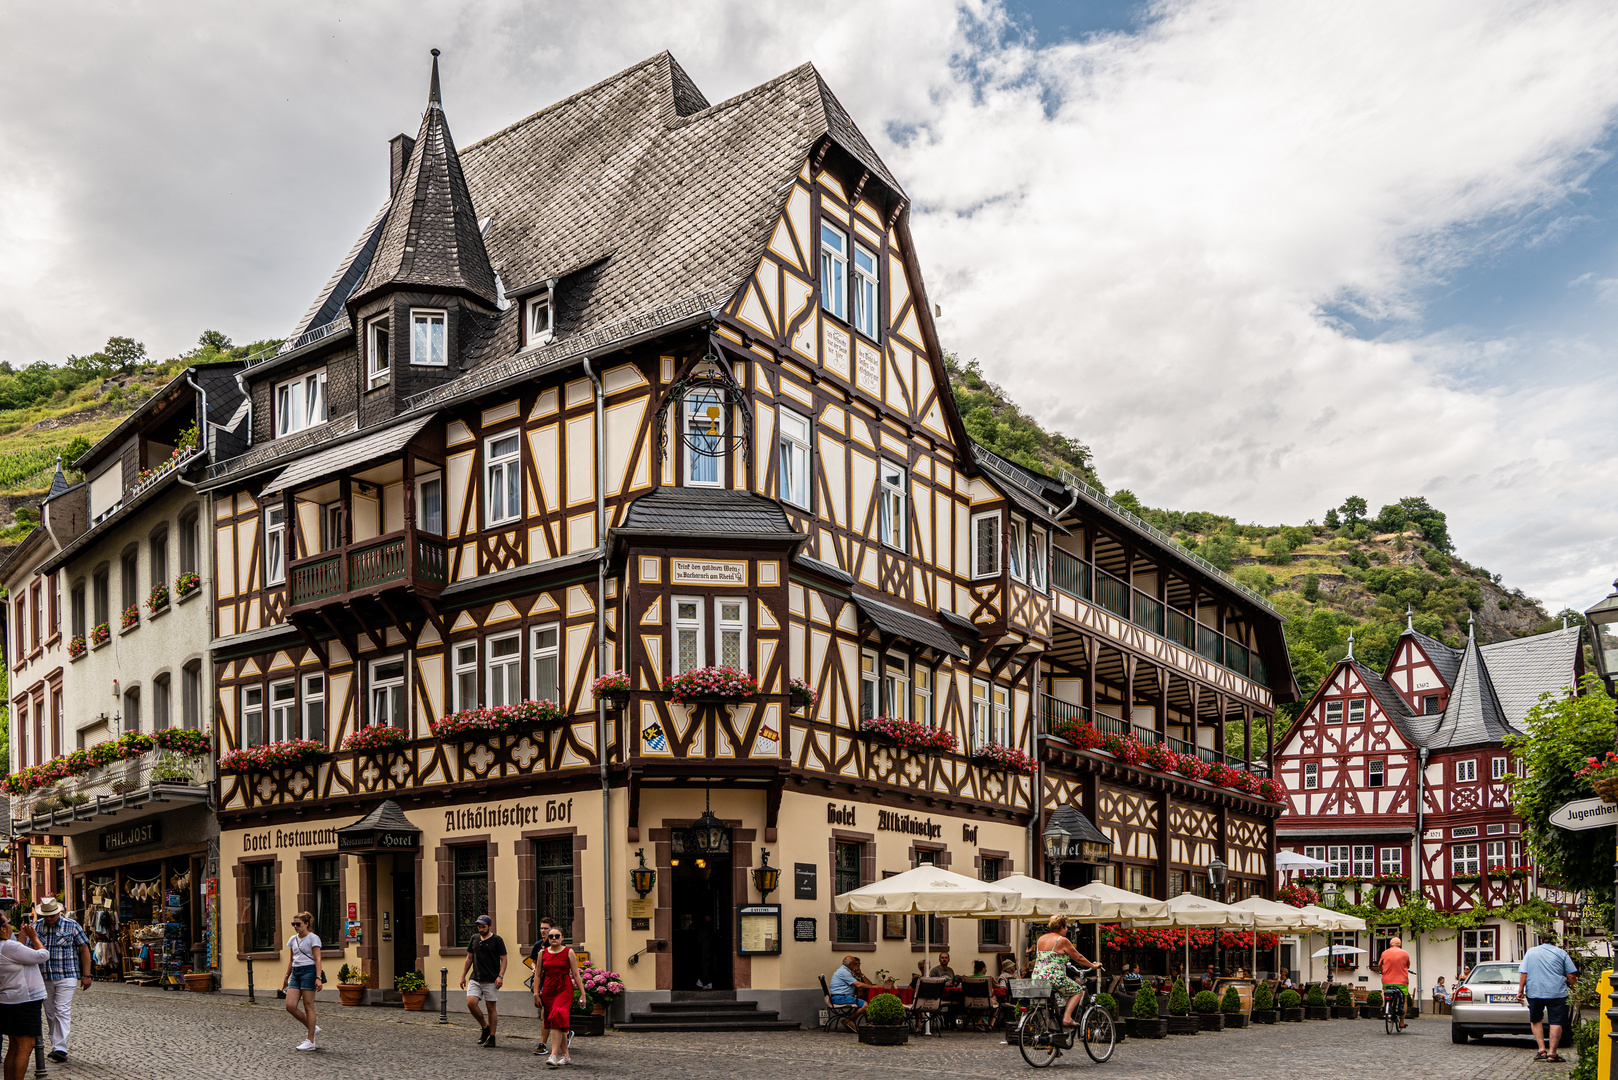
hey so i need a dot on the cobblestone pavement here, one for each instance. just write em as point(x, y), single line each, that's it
point(131, 1033)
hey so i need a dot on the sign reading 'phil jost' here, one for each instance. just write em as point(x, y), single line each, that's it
point(1585, 814)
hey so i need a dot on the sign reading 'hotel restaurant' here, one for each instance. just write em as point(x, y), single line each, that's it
point(709, 572)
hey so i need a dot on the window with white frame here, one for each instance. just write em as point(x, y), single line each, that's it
point(275, 555)
point(1497, 768)
point(1000, 714)
point(300, 403)
point(1334, 712)
point(1516, 853)
point(1477, 947)
point(430, 503)
point(537, 320)
point(388, 692)
point(464, 673)
point(1393, 861)
point(921, 696)
point(314, 707)
point(730, 631)
point(986, 544)
point(1016, 549)
point(870, 687)
point(866, 294)
point(980, 712)
point(1495, 854)
point(252, 716)
point(1364, 860)
point(283, 710)
point(895, 497)
point(1311, 775)
point(376, 352)
point(1036, 558)
point(429, 339)
point(1375, 772)
point(1497, 829)
point(896, 686)
point(795, 472)
point(1466, 770)
point(502, 474)
point(705, 426)
point(545, 657)
point(1356, 711)
point(1315, 853)
point(1338, 855)
point(688, 645)
point(834, 271)
point(1463, 859)
point(504, 653)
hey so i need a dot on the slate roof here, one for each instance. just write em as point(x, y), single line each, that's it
point(825, 569)
point(58, 482)
point(387, 816)
point(713, 512)
point(431, 237)
point(910, 626)
point(1474, 715)
point(1524, 668)
point(1445, 659)
point(1409, 724)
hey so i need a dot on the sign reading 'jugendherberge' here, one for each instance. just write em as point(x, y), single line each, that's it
point(1584, 814)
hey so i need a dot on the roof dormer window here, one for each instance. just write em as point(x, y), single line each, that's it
point(428, 338)
point(376, 352)
point(300, 403)
point(537, 327)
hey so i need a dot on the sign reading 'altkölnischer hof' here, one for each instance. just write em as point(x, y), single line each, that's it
point(709, 572)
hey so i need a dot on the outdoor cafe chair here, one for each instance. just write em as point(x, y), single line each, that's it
point(928, 1005)
point(977, 1000)
point(835, 1014)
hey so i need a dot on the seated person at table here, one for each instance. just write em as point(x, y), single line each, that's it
point(1441, 992)
point(979, 969)
point(941, 970)
point(1132, 979)
point(1055, 950)
point(1210, 977)
point(1286, 981)
point(1008, 971)
point(845, 987)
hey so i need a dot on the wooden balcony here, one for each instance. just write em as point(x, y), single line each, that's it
point(399, 560)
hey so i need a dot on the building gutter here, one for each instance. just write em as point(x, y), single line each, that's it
point(601, 651)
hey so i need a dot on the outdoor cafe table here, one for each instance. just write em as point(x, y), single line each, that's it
point(907, 994)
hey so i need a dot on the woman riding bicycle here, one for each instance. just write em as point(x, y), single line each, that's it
point(1050, 962)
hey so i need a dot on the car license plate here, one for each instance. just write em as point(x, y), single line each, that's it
point(1501, 999)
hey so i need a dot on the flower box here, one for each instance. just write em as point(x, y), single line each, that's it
point(711, 684)
point(187, 741)
point(1292, 1016)
point(1317, 1012)
point(158, 598)
point(1466, 879)
point(100, 634)
point(500, 718)
point(186, 584)
point(803, 695)
point(131, 616)
point(1236, 1020)
point(375, 738)
point(907, 734)
point(613, 688)
point(276, 755)
point(1078, 732)
point(1006, 759)
point(884, 1034)
point(76, 647)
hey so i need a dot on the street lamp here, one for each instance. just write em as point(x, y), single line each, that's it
point(766, 878)
point(708, 832)
point(1056, 840)
point(1603, 622)
point(642, 878)
point(1217, 873)
point(1331, 892)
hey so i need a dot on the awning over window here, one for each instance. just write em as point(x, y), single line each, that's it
point(347, 457)
point(384, 829)
point(903, 624)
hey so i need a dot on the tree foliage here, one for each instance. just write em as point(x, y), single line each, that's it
point(995, 421)
point(1353, 510)
point(1561, 736)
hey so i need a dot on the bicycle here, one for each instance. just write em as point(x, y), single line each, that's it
point(1393, 1008)
point(1040, 1035)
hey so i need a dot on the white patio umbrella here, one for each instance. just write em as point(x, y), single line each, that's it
point(1109, 903)
point(1189, 910)
point(930, 890)
point(1291, 860)
point(1326, 921)
point(1337, 950)
point(1271, 916)
point(1041, 898)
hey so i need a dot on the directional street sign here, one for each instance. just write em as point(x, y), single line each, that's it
point(1585, 814)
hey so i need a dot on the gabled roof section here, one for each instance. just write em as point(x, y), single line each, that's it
point(1524, 668)
point(329, 304)
point(1474, 715)
point(58, 482)
point(1445, 660)
point(430, 237)
point(1408, 723)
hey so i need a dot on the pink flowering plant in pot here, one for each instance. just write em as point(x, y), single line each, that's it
point(1266, 789)
point(187, 741)
point(803, 695)
point(100, 633)
point(275, 755)
point(1004, 758)
point(187, 583)
point(1222, 775)
point(76, 647)
point(600, 985)
point(613, 682)
point(907, 733)
point(77, 763)
point(158, 598)
point(131, 616)
point(725, 683)
point(376, 737)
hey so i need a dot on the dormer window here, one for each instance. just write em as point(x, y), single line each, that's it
point(428, 339)
point(300, 403)
point(537, 326)
point(834, 271)
point(376, 352)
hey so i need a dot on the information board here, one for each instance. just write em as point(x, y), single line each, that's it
point(803, 881)
point(758, 930)
point(803, 929)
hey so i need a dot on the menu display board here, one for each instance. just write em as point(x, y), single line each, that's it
point(758, 930)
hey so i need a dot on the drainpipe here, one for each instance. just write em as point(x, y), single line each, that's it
point(241, 384)
point(601, 654)
point(1035, 846)
point(1416, 848)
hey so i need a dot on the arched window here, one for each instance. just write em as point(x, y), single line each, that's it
point(161, 710)
point(132, 709)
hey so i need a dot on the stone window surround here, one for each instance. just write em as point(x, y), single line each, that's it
point(527, 883)
point(1008, 865)
point(244, 905)
point(444, 859)
point(867, 941)
point(306, 894)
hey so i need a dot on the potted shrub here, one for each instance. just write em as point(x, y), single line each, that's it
point(885, 1022)
point(1144, 1024)
point(1315, 1007)
point(351, 985)
point(199, 982)
point(1343, 1008)
point(1231, 1006)
point(1206, 1005)
point(1110, 1003)
point(1291, 1007)
point(412, 987)
point(1264, 1005)
point(1180, 1020)
point(1372, 1009)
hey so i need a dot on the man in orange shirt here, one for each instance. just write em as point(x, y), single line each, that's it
point(1394, 964)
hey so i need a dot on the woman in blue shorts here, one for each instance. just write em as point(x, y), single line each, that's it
point(304, 976)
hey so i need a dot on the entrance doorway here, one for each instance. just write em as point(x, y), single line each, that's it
point(702, 917)
point(404, 914)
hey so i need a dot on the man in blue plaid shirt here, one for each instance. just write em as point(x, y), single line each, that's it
point(67, 970)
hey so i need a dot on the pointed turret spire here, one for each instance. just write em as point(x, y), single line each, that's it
point(58, 482)
point(1351, 645)
point(431, 236)
point(1471, 624)
point(1410, 617)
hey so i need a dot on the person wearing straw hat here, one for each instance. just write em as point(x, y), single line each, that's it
point(67, 970)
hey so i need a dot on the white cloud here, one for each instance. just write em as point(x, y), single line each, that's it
point(1138, 234)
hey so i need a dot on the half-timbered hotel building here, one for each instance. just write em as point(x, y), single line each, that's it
point(1399, 781)
point(649, 384)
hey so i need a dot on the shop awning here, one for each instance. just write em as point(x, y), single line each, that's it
point(384, 829)
point(346, 457)
point(911, 627)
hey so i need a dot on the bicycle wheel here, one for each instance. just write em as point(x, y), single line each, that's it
point(1036, 1037)
point(1390, 1017)
point(1098, 1033)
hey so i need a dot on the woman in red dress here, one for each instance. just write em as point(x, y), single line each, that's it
point(553, 993)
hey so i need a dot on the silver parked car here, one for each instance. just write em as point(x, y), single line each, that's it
point(1486, 1004)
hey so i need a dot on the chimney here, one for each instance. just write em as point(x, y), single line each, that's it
point(399, 148)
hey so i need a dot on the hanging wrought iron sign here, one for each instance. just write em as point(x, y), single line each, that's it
point(706, 405)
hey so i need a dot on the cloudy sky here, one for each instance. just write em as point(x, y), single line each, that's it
point(1259, 256)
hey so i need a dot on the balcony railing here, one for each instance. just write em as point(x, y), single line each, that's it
point(158, 775)
point(1112, 594)
point(1070, 573)
point(406, 559)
